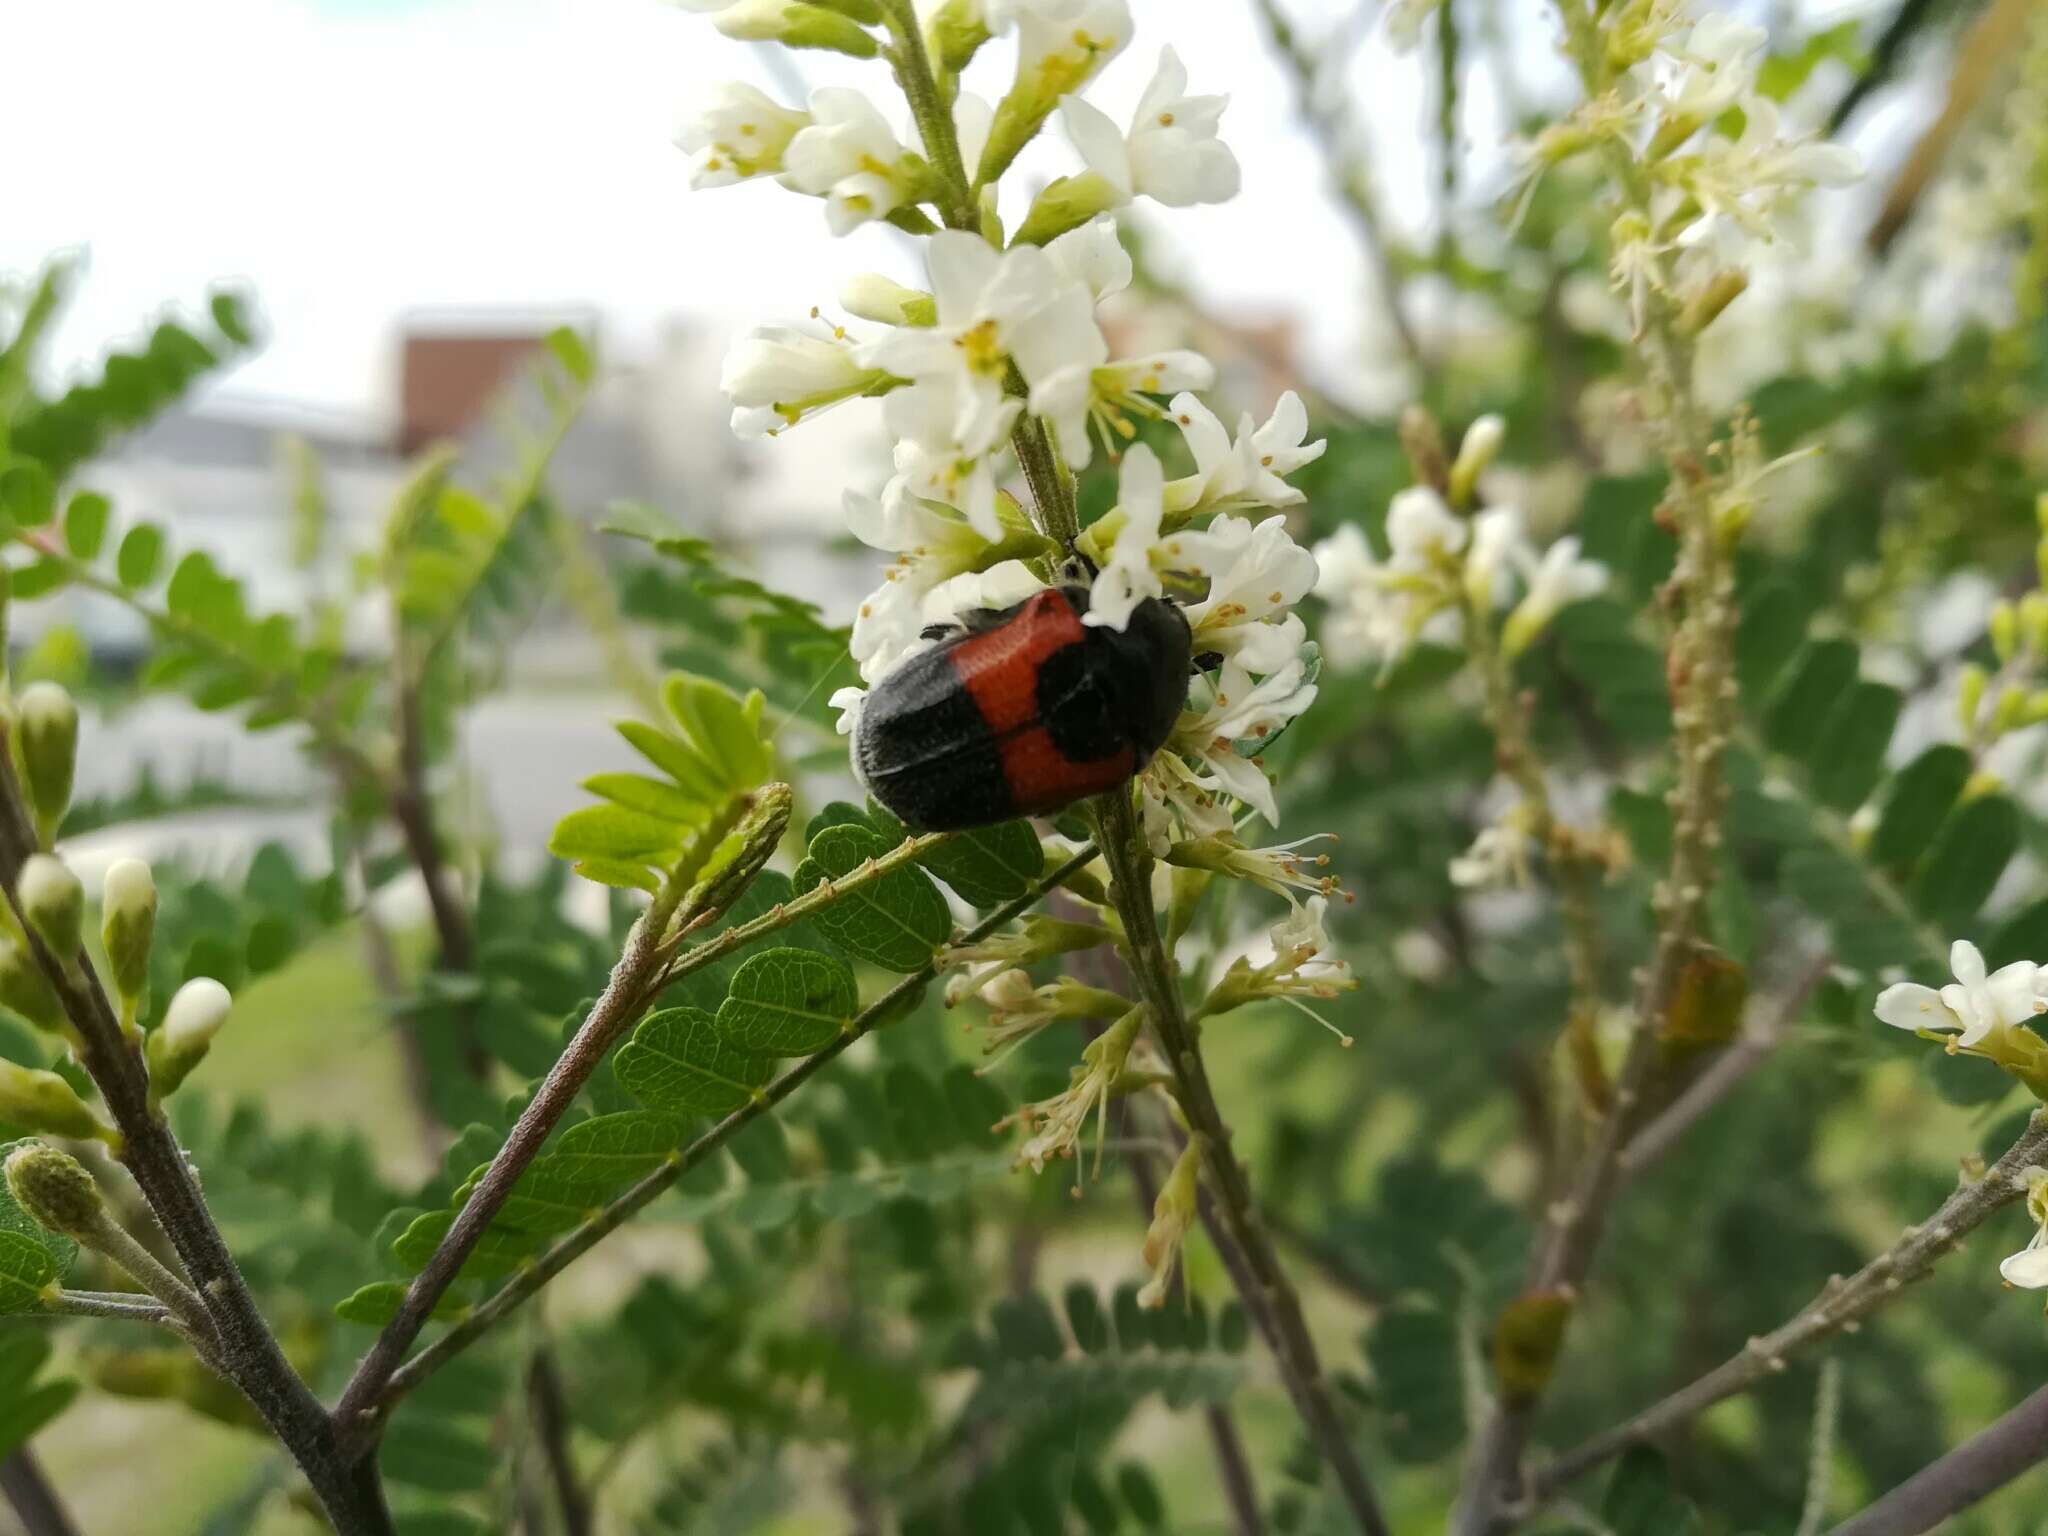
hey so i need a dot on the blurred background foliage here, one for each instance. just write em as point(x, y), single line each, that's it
point(858, 1318)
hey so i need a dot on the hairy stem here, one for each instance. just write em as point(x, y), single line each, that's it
point(1841, 1304)
point(574, 1244)
point(1266, 1286)
point(613, 1013)
point(108, 1304)
point(928, 108)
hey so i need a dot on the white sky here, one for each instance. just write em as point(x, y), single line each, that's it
point(349, 159)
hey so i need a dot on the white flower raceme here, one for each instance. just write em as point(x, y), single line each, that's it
point(780, 374)
point(2028, 1269)
point(1976, 1007)
point(1171, 153)
point(739, 133)
point(1249, 471)
point(850, 156)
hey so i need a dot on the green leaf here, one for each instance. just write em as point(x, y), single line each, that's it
point(1773, 623)
point(442, 1455)
point(1969, 854)
point(895, 922)
point(28, 496)
point(679, 1060)
point(1921, 797)
point(498, 1252)
point(682, 762)
point(85, 524)
point(988, 866)
point(573, 353)
point(1823, 672)
point(789, 1002)
point(726, 730)
point(1849, 759)
point(376, 1304)
point(612, 832)
point(651, 797)
point(141, 555)
point(1413, 1350)
point(38, 578)
point(1640, 1500)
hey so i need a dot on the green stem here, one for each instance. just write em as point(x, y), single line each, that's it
point(580, 1241)
point(928, 107)
point(1269, 1292)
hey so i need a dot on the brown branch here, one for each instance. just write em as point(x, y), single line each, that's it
point(30, 1496)
point(551, 1427)
point(1974, 1470)
point(1841, 1304)
point(246, 1353)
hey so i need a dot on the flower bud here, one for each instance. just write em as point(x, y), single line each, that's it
point(42, 1101)
point(127, 924)
point(1423, 440)
point(1970, 695)
point(2005, 630)
point(26, 990)
point(47, 731)
point(2034, 622)
point(198, 1010)
point(1704, 307)
point(1478, 450)
point(53, 902)
point(55, 1189)
point(1068, 203)
point(955, 32)
point(1173, 1212)
point(872, 296)
point(2008, 714)
point(795, 24)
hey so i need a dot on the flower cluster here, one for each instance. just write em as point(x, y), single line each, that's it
point(1672, 86)
point(1008, 334)
point(1444, 570)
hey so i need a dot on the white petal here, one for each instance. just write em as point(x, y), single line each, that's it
point(1099, 140)
point(1908, 1005)
point(2027, 1269)
point(1093, 255)
point(1967, 961)
point(961, 266)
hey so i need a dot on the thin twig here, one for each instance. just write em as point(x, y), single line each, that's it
point(1264, 1283)
point(1980, 1466)
point(30, 1496)
point(574, 1244)
point(1841, 1304)
point(110, 1304)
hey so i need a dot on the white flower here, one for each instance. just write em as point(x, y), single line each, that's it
point(1404, 22)
point(1974, 1005)
point(737, 134)
point(1499, 856)
point(1256, 575)
point(1239, 709)
point(1002, 585)
point(1747, 181)
point(934, 462)
point(1421, 529)
point(851, 157)
point(1304, 961)
point(986, 300)
point(1369, 617)
point(1171, 153)
point(1718, 66)
point(1249, 471)
point(1062, 43)
point(1092, 255)
point(1058, 353)
point(1499, 548)
point(778, 375)
point(1057, 1122)
point(2028, 1269)
point(1175, 802)
point(1558, 580)
point(1128, 578)
point(933, 546)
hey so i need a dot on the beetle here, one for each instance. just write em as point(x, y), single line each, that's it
point(1021, 710)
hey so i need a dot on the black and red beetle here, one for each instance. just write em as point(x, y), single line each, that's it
point(1021, 710)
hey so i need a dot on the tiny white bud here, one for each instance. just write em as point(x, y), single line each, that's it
point(197, 1012)
point(53, 902)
